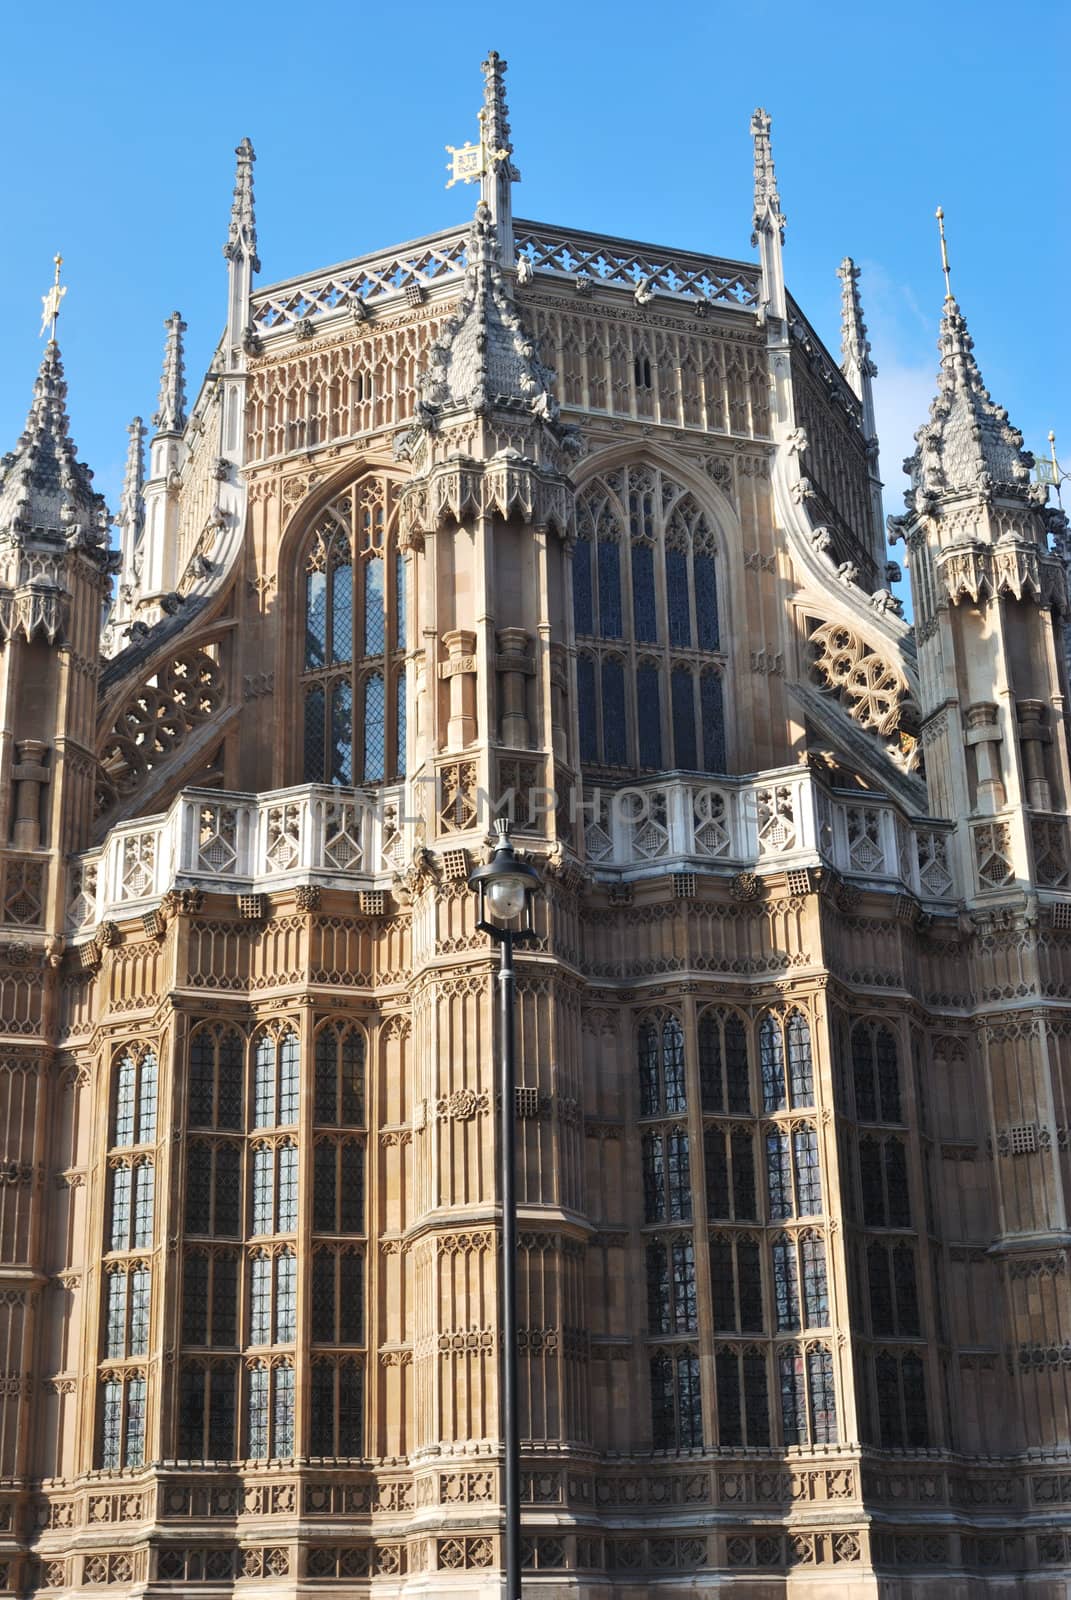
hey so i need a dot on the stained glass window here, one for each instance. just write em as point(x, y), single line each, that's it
point(649, 712)
point(683, 698)
point(614, 730)
point(800, 1070)
point(583, 613)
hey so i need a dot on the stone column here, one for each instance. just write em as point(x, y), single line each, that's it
point(460, 669)
point(30, 774)
point(983, 732)
point(1033, 737)
point(515, 666)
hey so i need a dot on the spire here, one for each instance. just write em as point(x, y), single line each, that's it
point(131, 510)
point(171, 407)
point(242, 237)
point(486, 359)
point(856, 364)
point(768, 214)
point(44, 490)
point(968, 445)
point(499, 173)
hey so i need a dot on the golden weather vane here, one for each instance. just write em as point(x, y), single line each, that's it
point(469, 162)
point(50, 302)
point(944, 251)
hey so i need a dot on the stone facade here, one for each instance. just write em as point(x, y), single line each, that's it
point(522, 517)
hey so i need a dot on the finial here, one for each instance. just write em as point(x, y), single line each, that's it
point(242, 237)
point(171, 408)
point(50, 302)
point(767, 200)
point(944, 252)
point(854, 343)
point(133, 479)
point(488, 161)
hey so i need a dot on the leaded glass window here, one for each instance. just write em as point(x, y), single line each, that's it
point(132, 1206)
point(800, 1069)
point(876, 1073)
point(716, 1168)
point(778, 1176)
point(682, 695)
point(772, 1064)
point(270, 1411)
point(213, 1187)
point(884, 1183)
point(338, 1186)
point(742, 1393)
point(353, 678)
point(339, 1069)
point(723, 1064)
point(144, 1197)
point(207, 1398)
point(661, 1064)
point(666, 1176)
point(134, 1119)
point(337, 1295)
point(808, 1400)
point(808, 1172)
point(666, 586)
point(210, 1297)
point(336, 1423)
point(111, 1454)
point(115, 1331)
point(676, 1401)
point(745, 1202)
point(134, 1442)
point(122, 1421)
point(276, 1079)
point(786, 1284)
point(815, 1286)
point(671, 1298)
point(900, 1384)
point(905, 1288)
point(216, 1071)
point(823, 1401)
point(736, 1283)
point(785, 1044)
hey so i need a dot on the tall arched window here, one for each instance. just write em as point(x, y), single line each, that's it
point(353, 670)
point(646, 618)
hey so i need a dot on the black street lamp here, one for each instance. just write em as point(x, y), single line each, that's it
point(506, 888)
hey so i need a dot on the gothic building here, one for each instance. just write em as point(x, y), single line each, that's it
point(523, 519)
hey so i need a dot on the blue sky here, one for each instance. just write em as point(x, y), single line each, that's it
point(119, 134)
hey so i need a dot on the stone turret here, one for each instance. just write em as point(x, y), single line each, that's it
point(131, 524)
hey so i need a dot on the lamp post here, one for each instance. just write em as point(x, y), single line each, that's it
point(506, 888)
